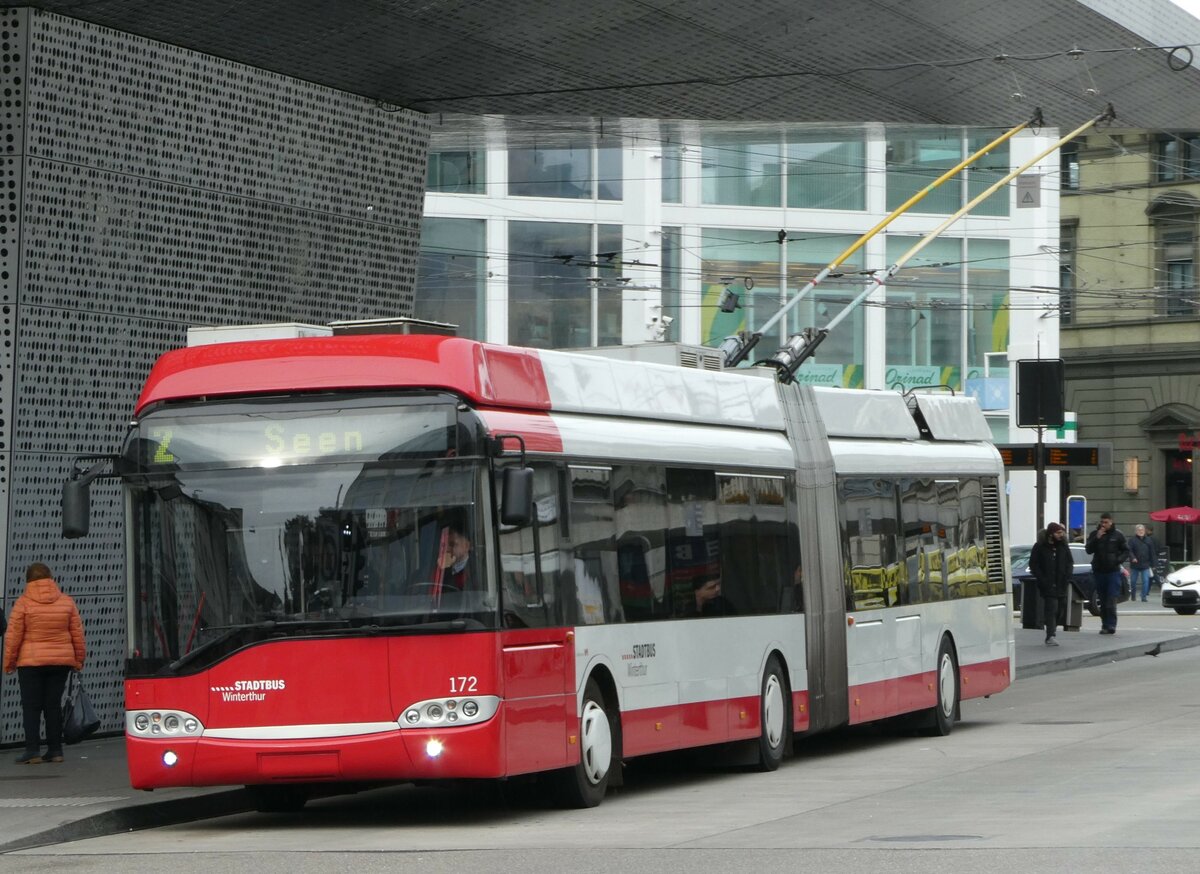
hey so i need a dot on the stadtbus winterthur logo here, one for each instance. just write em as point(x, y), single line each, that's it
point(249, 690)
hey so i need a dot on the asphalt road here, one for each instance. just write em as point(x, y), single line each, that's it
point(1086, 770)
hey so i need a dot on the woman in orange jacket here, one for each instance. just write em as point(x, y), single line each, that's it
point(43, 645)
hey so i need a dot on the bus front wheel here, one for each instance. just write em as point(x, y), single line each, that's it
point(774, 715)
point(585, 784)
point(946, 710)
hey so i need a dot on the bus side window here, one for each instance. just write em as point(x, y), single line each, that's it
point(869, 526)
point(754, 544)
point(529, 570)
point(640, 498)
point(593, 537)
point(692, 551)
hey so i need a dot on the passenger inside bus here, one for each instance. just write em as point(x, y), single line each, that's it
point(707, 598)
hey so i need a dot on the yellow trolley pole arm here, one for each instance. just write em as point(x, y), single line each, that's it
point(738, 347)
point(800, 347)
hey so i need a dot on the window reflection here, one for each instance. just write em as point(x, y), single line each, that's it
point(566, 171)
point(934, 550)
point(564, 285)
point(452, 273)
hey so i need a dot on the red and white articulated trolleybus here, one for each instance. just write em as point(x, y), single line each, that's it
point(357, 559)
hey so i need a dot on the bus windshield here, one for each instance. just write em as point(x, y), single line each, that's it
point(223, 554)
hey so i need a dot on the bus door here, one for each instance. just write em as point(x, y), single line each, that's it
point(537, 661)
point(869, 540)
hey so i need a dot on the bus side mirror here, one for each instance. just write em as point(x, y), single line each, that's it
point(516, 504)
point(76, 508)
point(76, 500)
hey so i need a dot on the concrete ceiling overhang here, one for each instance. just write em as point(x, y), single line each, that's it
point(914, 61)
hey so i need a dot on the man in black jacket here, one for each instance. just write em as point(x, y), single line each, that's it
point(1143, 553)
point(1051, 564)
point(1109, 550)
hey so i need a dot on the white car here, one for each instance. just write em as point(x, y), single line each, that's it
point(1181, 590)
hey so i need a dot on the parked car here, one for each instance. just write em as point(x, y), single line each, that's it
point(1181, 590)
point(1081, 576)
point(1018, 563)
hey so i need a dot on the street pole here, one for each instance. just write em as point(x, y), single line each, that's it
point(1040, 468)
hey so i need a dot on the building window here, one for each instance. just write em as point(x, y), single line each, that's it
point(1177, 157)
point(455, 173)
point(915, 160)
point(924, 321)
point(1067, 241)
point(672, 171)
point(675, 155)
point(824, 173)
point(1173, 215)
point(986, 301)
point(574, 171)
point(745, 262)
point(986, 172)
point(741, 169)
point(838, 360)
point(451, 274)
point(564, 285)
point(1068, 167)
point(1179, 272)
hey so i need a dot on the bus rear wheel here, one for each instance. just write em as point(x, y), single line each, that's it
point(585, 784)
point(946, 710)
point(775, 715)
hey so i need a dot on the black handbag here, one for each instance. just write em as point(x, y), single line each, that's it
point(78, 716)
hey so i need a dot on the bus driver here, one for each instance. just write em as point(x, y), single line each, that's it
point(453, 559)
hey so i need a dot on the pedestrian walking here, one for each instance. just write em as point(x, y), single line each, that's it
point(1142, 555)
point(1159, 558)
point(1052, 566)
point(43, 645)
point(1109, 551)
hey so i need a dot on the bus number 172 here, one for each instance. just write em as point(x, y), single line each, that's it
point(458, 685)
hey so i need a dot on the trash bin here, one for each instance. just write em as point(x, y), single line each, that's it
point(1070, 607)
point(1070, 610)
point(1031, 604)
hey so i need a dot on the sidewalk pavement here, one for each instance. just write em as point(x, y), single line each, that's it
point(89, 794)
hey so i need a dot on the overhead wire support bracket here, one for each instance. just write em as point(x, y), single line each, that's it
point(789, 358)
point(737, 348)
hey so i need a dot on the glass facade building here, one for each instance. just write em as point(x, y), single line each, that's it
point(638, 233)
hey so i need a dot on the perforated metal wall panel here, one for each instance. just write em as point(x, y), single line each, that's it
point(147, 188)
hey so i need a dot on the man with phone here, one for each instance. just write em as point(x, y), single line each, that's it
point(1109, 550)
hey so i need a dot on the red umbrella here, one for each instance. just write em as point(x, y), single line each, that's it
point(1189, 515)
point(1186, 515)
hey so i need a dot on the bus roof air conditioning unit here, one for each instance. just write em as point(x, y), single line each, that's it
point(678, 354)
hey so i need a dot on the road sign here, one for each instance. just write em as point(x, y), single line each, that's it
point(1076, 513)
point(1029, 191)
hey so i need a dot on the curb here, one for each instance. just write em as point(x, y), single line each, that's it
point(138, 817)
point(1104, 657)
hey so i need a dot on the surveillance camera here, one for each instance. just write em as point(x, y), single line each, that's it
point(666, 321)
